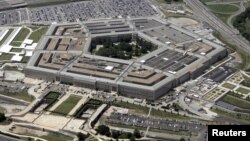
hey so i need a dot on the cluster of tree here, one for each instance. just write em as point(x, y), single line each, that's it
point(241, 22)
point(123, 49)
point(145, 46)
point(125, 135)
point(106, 41)
point(104, 130)
point(2, 117)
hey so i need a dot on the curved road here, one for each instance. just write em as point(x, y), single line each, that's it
point(242, 9)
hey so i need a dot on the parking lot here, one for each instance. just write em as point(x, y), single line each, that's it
point(84, 10)
point(126, 119)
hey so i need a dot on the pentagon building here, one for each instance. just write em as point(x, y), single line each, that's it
point(64, 55)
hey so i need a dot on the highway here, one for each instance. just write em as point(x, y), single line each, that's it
point(232, 35)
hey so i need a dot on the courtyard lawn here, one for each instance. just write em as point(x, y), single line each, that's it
point(243, 90)
point(16, 50)
point(67, 105)
point(20, 37)
point(36, 35)
point(229, 86)
point(6, 56)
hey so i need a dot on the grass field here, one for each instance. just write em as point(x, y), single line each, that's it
point(236, 101)
point(36, 35)
point(6, 36)
point(229, 86)
point(243, 90)
point(34, 27)
point(23, 95)
point(23, 33)
point(67, 105)
point(223, 8)
point(57, 137)
point(137, 109)
point(223, 17)
point(6, 57)
point(247, 4)
point(232, 115)
point(16, 50)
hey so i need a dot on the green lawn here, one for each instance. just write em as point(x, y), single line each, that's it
point(25, 59)
point(243, 90)
point(67, 105)
point(229, 86)
point(10, 68)
point(223, 8)
point(16, 50)
point(247, 4)
point(23, 95)
point(57, 137)
point(223, 17)
point(52, 95)
point(22, 34)
point(6, 57)
point(236, 101)
point(36, 35)
point(34, 27)
point(137, 109)
point(236, 116)
point(6, 36)
point(168, 115)
point(247, 25)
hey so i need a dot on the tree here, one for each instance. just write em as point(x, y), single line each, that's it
point(182, 139)
point(115, 134)
point(103, 130)
point(81, 137)
point(137, 133)
point(2, 117)
point(132, 138)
